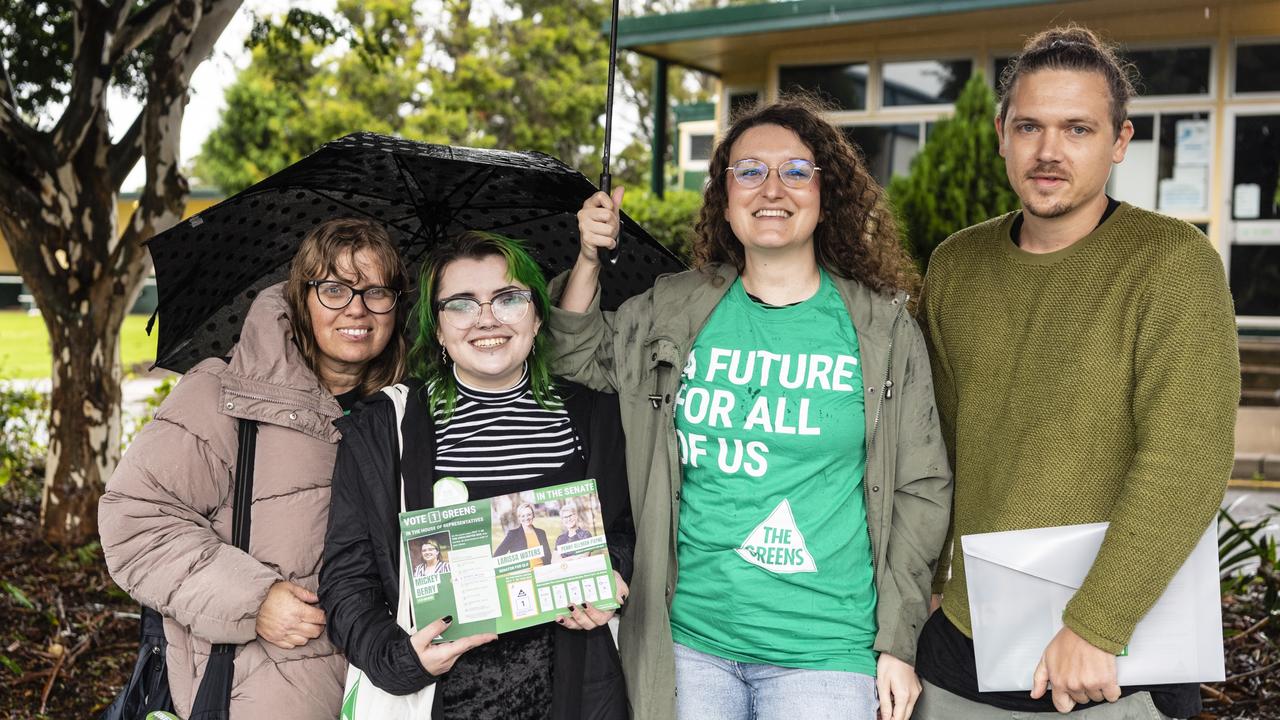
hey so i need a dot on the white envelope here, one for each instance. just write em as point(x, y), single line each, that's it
point(1020, 581)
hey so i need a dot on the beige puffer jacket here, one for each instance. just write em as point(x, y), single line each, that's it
point(165, 519)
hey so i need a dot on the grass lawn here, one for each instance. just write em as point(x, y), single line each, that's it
point(24, 345)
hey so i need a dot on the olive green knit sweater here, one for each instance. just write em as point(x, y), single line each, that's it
point(1096, 383)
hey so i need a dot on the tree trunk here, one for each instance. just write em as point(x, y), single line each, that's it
point(58, 216)
point(64, 247)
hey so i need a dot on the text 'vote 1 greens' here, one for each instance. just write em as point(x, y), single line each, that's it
point(508, 562)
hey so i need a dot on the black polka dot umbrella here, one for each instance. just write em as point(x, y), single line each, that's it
point(211, 266)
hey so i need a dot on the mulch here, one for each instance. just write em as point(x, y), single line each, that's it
point(68, 635)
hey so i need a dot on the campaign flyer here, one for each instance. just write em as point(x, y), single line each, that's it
point(508, 562)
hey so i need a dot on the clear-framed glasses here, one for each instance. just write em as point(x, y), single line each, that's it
point(752, 173)
point(336, 296)
point(508, 308)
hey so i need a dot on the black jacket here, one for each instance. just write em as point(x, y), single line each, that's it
point(359, 580)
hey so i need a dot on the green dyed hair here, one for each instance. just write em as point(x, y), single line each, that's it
point(426, 357)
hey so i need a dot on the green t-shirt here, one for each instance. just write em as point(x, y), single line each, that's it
point(773, 547)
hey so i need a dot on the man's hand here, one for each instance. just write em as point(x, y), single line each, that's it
point(287, 617)
point(438, 658)
point(1078, 671)
point(898, 687)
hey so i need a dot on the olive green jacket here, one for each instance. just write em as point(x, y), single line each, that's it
point(639, 352)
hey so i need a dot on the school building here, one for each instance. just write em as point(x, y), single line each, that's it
point(1207, 142)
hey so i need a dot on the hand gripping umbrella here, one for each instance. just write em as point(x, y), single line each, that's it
point(211, 266)
point(606, 177)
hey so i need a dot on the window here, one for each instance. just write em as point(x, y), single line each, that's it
point(886, 149)
point(1258, 68)
point(1257, 168)
point(1167, 165)
point(843, 84)
point(740, 101)
point(1255, 212)
point(1000, 65)
point(1171, 71)
point(700, 146)
point(924, 82)
point(1161, 71)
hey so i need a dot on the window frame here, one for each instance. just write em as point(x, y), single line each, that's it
point(878, 74)
point(1233, 68)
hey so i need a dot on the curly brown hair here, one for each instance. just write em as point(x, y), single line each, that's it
point(856, 236)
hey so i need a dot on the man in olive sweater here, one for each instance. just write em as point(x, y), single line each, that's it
point(1084, 355)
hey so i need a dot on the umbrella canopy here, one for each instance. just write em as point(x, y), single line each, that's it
point(211, 266)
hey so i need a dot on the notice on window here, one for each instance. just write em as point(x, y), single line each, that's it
point(1248, 201)
point(1192, 145)
point(508, 562)
point(1186, 192)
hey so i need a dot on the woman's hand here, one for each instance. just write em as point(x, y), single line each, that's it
point(584, 617)
point(898, 686)
point(598, 225)
point(438, 658)
point(287, 617)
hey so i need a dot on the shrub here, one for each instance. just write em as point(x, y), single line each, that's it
point(24, 437)
point(957, 180)
point(669, 219)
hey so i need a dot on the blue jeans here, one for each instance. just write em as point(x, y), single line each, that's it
point(712, 688)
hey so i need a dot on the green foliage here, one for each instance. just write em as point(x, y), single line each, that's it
point(958, 179)
point(16, 593)
point(1248, 557)
point(669, 220)
point(149, 408)
point(24, 422)
point(531, 78)
point(38, 45)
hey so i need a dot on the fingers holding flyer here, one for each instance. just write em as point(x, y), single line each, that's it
point(438, 658)
point(586, 617)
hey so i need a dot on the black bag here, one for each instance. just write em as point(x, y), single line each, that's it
point(148, 686)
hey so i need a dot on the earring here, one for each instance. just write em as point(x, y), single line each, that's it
point(444, 355)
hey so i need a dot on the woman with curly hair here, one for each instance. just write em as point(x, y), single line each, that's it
point(782, 445)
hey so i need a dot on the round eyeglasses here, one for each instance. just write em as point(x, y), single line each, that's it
point(508, 308)
point(336, 296)
point(752, 173)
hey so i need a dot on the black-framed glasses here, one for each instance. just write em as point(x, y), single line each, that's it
point(336, 296)
point(752, 173)
point(508, 308)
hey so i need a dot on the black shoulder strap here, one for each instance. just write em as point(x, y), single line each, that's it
point(242, 500)
point(213, 697)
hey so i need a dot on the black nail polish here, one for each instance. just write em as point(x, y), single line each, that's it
point(585, 605)
point(570, 608)
point(447, 619)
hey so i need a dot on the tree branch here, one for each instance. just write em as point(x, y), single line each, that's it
point(12, 126)
point(126, 152)
point(158, 128)
point(90, 76)
point(139, 27)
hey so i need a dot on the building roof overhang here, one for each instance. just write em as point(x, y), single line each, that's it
point(710, 40)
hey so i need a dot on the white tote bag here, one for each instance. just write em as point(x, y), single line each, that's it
point(362, 700)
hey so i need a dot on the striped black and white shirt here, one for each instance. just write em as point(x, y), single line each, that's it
point(502, 436)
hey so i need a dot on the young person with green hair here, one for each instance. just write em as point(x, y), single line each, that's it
point(482, 407)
